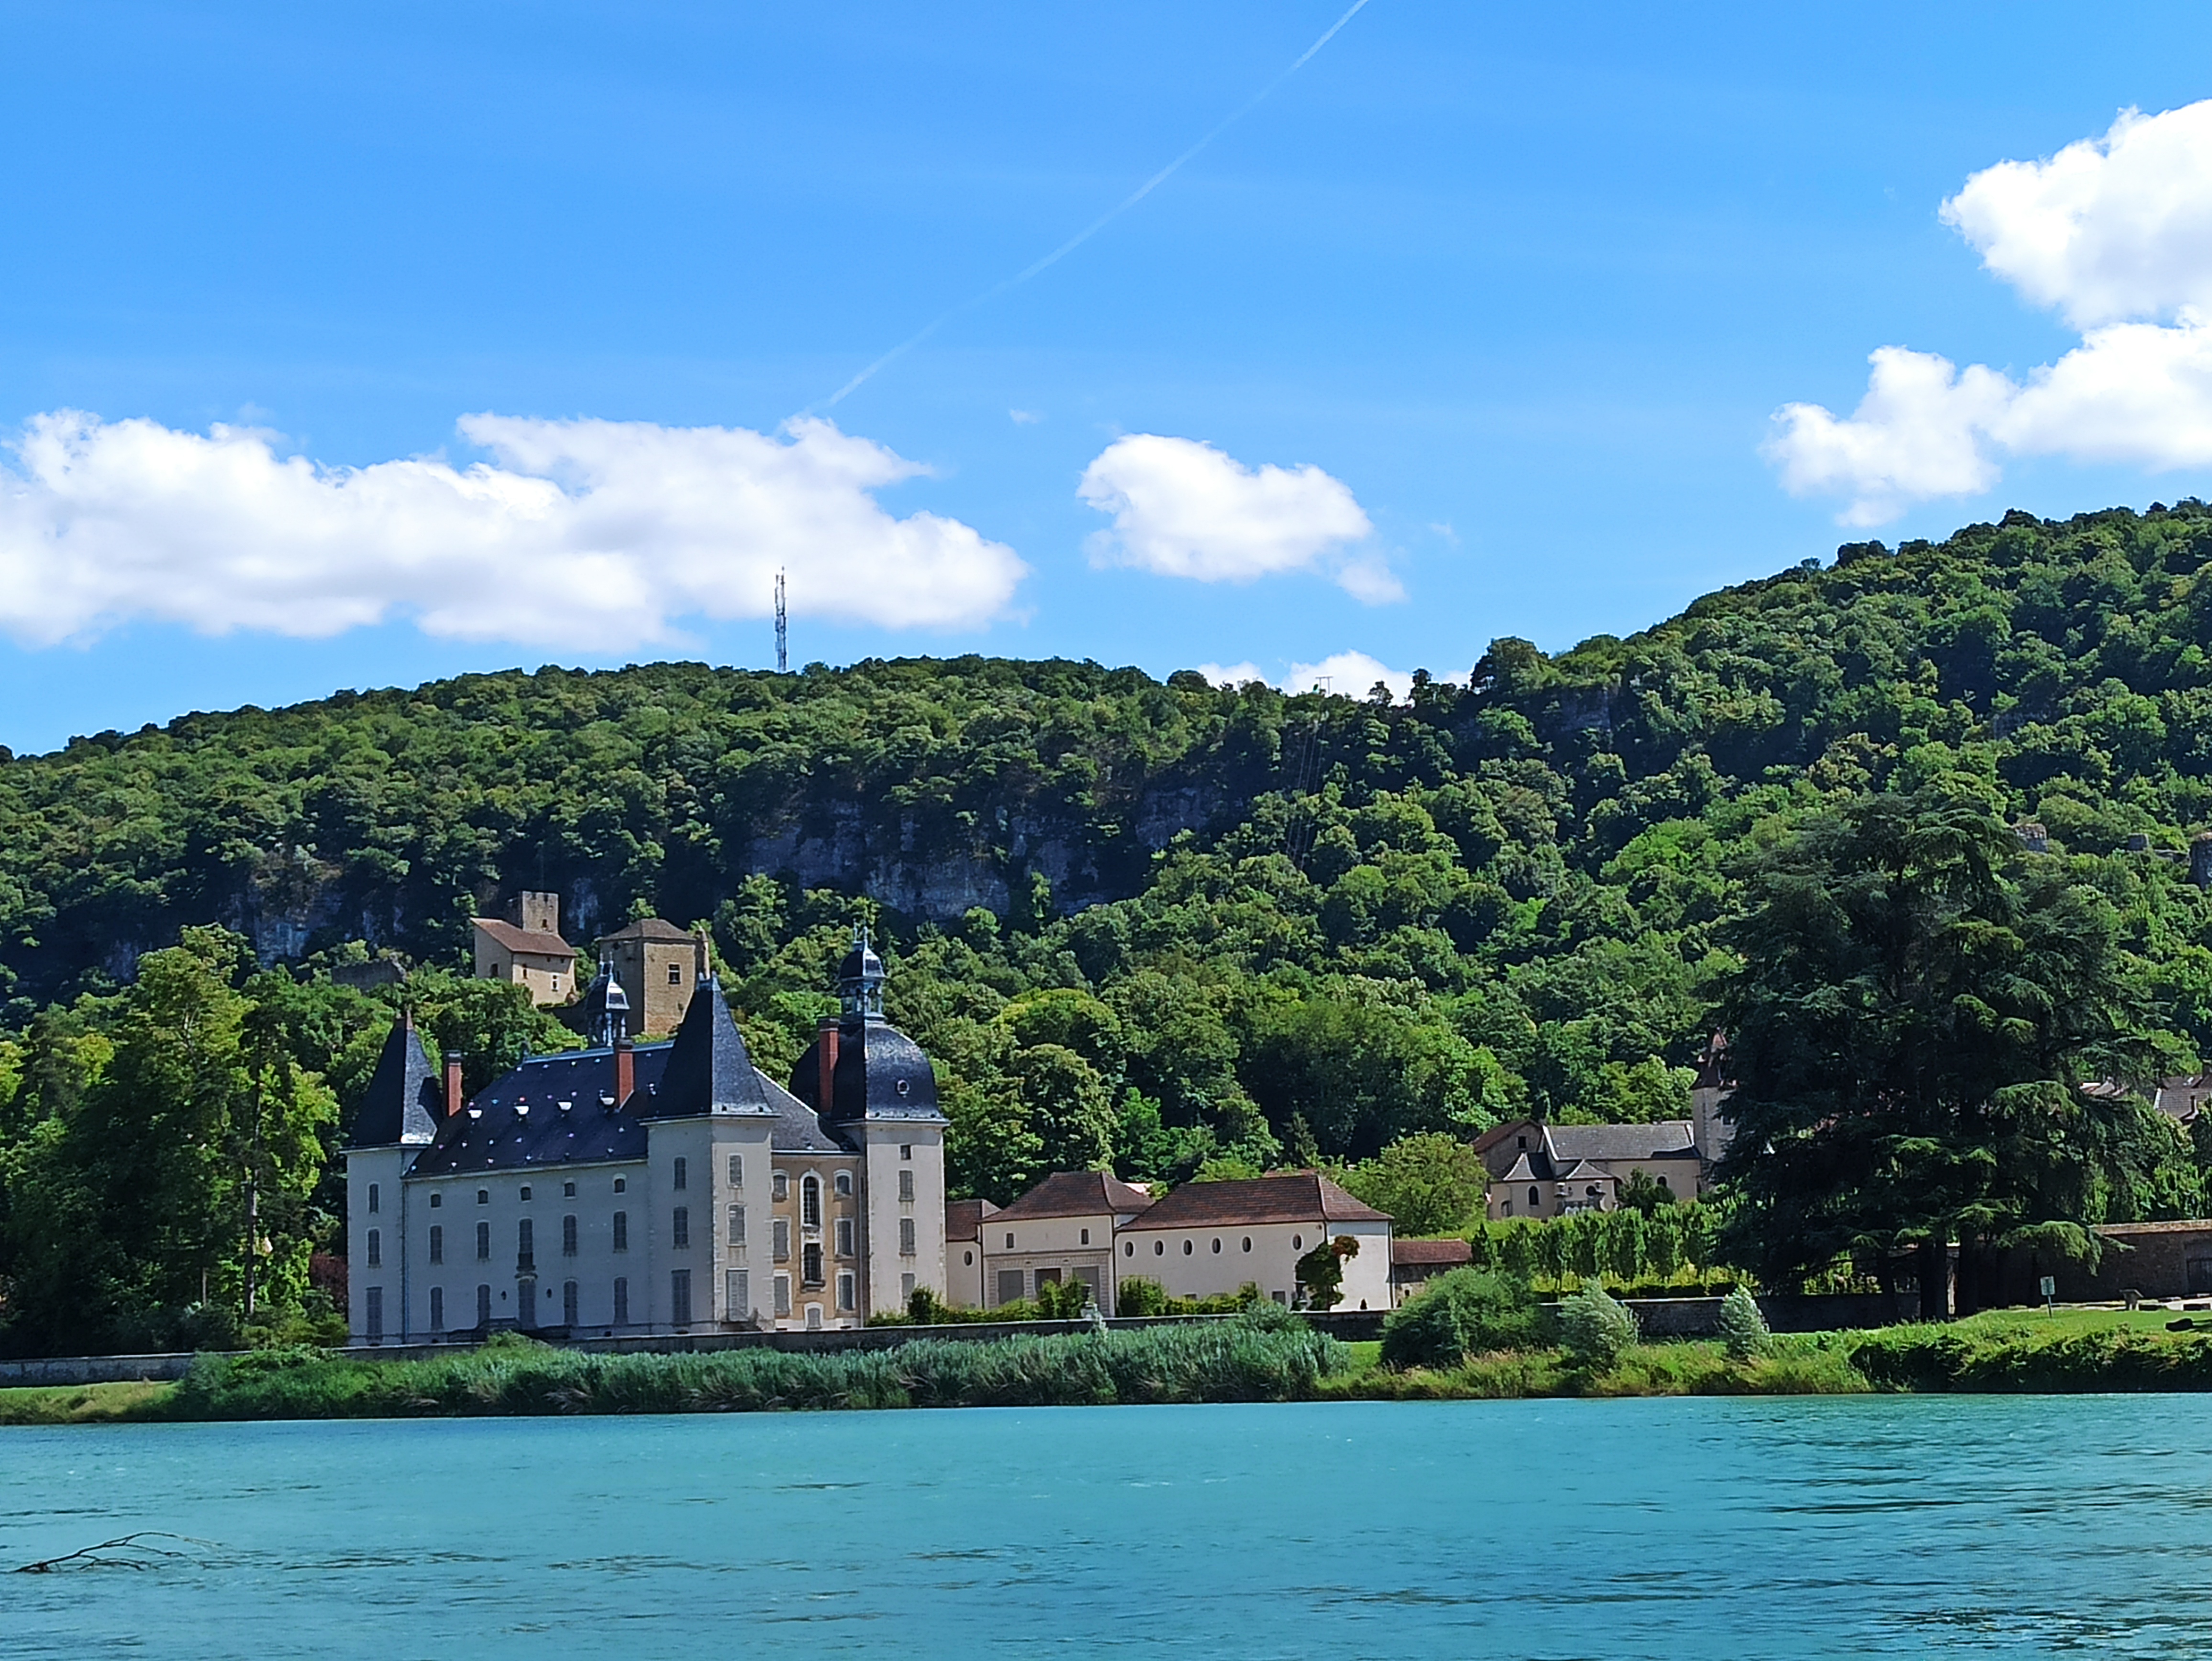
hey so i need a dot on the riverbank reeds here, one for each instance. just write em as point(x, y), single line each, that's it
point(1258, 1359)
point(2027, 1353)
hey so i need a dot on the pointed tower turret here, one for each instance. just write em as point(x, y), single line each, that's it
point(400, 1107)
point(709, 1070)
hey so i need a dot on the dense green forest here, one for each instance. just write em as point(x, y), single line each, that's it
point(1166, 924)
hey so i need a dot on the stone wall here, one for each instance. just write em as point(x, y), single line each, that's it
point(2157, 1260)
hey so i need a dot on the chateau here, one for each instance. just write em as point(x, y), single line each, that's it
point(650, 1189)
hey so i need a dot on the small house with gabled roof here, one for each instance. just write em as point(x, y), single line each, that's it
point(1060, 1230)
point(1539, 1169)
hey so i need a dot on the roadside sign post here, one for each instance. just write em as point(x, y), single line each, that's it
point(2050, 1290)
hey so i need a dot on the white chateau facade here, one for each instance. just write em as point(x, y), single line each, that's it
point(655, 1190)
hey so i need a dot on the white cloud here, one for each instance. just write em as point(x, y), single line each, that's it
point(1234, 674)
point(2111, 227)
point(1919, 431)
point(1353, 674)
point(1023, 417)
point(591, 535)
point(2113, 233)
point(1182, 508)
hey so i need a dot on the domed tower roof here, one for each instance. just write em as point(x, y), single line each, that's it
point(861, 979)
point(860, 1066)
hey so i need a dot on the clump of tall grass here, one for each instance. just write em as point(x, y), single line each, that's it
point(1255, 1359)
point(2019, 1358)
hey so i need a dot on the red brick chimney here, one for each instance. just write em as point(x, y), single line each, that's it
point(625, 1070)
point(453, 1086)
point(825, 1049)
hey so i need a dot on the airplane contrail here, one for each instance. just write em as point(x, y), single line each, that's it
point(1098, 224)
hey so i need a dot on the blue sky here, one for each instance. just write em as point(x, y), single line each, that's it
point(1476, 325)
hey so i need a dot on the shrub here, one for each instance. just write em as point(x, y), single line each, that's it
point(1742, 1328)
point(1141, 1297)
point(1596, 1330)
point(1467, 1312)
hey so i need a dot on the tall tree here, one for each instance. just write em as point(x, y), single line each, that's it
point(1919, 1005)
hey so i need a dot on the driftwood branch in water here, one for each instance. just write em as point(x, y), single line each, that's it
point(91, 1557)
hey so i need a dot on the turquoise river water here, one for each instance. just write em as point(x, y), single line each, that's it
point(1877, 1526)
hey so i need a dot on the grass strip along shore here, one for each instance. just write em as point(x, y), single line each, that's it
point(1260, 1360)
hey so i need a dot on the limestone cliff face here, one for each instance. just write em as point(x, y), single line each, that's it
point(918, 865)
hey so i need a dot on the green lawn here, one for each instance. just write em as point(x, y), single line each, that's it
point(81, 1404)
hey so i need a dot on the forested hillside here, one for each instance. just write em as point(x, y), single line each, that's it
point(1162, 923)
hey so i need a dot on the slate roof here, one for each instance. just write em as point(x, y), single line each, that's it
point(1431, 1254)
point(528, 942)
point(1078, 1194)
point(588, 1013)
point(881, 1074)
point(518, 1121)
point(797, 1130)
point(1669, 1139)
point(1584, 1171)
point(708, 1070)
point(400, 1107)
point(648, 928)
point(964, 1218)
point(1558, 1148)
point(1300, 1196)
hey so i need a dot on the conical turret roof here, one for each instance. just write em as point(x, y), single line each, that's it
point(400, 1106)
point(709, 1070)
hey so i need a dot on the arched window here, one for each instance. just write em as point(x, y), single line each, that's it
point(1216, 1248)
point(437, 1309)
point(483, 1243)
point(372, 1199)
point(845, 1182)
point(809, 1201)
point(1535, 1196)
point(1297, 1242)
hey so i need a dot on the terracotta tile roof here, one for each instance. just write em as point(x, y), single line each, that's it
point(964, 1218)
point(647, 929)
point(525, 941)
point(1301, 1196)
point(1078, 1194)
point(1431, 1254)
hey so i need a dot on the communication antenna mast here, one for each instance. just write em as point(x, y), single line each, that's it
point(783, 630)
